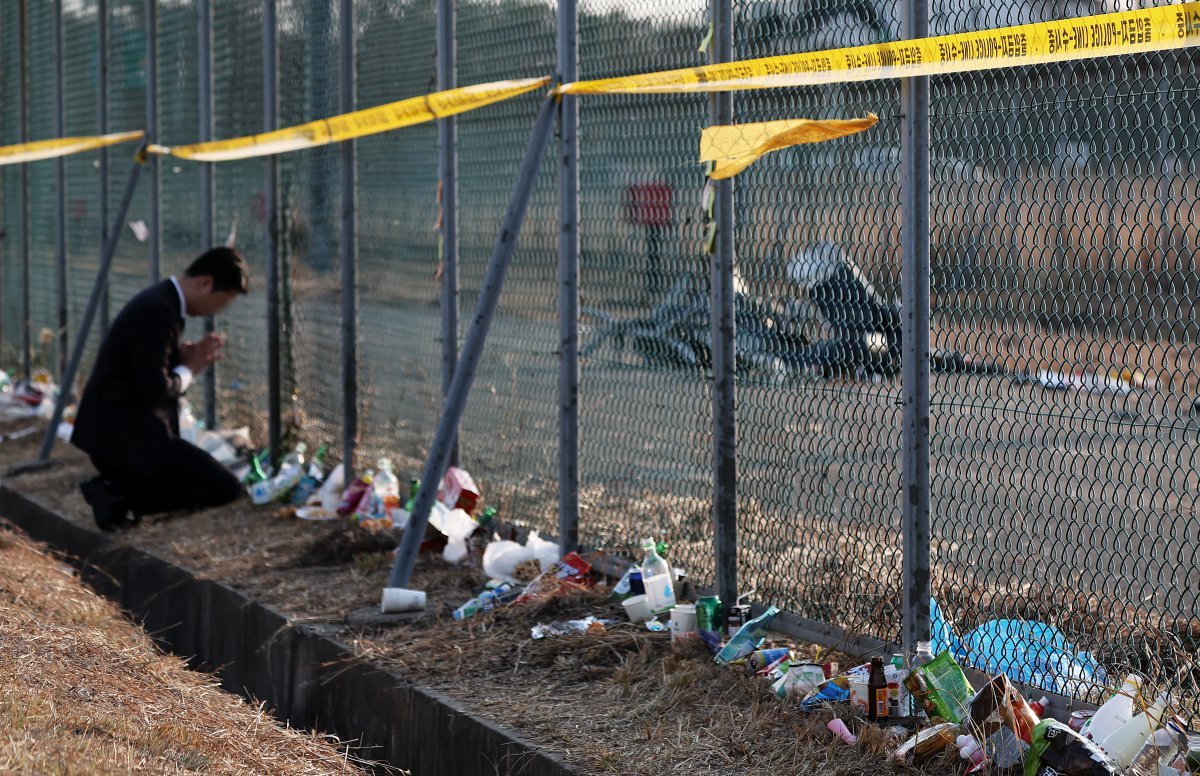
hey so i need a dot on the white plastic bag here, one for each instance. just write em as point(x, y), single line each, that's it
point(501, 559)
point(457, 525)
point(544, 552)
point(330, 494)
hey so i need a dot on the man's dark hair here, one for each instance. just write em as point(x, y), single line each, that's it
point(226, 267)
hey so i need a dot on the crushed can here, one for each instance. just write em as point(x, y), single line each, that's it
point(735, 617)
point(763, 659)
point(709, 614)
point(1079, 719)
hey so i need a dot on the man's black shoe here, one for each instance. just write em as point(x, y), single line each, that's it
point(107, 507)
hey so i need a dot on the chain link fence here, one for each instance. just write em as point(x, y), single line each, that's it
point(1063, 297)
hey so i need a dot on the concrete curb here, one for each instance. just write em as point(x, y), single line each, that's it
point(301, 673)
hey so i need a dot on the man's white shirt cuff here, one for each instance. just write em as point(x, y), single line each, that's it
point(185, 377)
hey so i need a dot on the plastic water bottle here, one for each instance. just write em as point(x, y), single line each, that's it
point(1123, 744)
point(387, 487)
point(316, 468)
point(1158, 751)
point(1116, 711)
point(311, 480)
point(291, 471)
point(657, 578)
point(293, 463)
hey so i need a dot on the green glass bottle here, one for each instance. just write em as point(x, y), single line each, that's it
point(258, 467)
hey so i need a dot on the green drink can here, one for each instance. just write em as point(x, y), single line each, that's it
point(709, 614)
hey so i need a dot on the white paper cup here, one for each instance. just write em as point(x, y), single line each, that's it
point(683, 621)
point(399, 599)
point(637, 608)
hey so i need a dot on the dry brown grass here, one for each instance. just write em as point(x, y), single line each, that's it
point(83, 690)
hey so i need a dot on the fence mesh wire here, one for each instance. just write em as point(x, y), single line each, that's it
point(645, 412)
point(1063, 296)
point(398, 259)
point(10, 191)
point(1064, 267)
point(819, 470)
point(510, 429)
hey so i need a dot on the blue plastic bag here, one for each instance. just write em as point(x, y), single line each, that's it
point(1032, 653)
point(941, 632)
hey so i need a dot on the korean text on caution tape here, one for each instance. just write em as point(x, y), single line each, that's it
point(1102, 35)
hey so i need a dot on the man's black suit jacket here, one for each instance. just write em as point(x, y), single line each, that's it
point(130, 408)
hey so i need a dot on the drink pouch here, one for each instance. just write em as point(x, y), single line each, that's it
point(947, 688)
point(352, 498)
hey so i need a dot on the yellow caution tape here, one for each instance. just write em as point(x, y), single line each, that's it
point(1102, 35)
point(735, 147)
point(361, 123)
point(61, 146)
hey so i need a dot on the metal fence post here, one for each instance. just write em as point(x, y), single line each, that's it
point(447, 78)
point(271, 196)
point(348, 252)
point(568, 281)
point(154, 247)
point(468, 360)
point(914, 238)
point(60, 190)
point(724, 357)
point(26, 264)
point(102, 129)
point(207, 183)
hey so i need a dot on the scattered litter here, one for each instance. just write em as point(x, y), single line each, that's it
point(589, 624)
point(927, 743)
point(839, 729)
point(1059, 751)
point(570, 573)
point(316, 513)
point(18, 434)
point(399, 599)
point(748, 638)
point(502, 559)
point(1116, 382)
point(655, 626)
point(486, 601)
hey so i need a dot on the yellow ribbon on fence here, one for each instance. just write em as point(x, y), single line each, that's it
point(361, 123)
point(735, 147)
point(1102, 35)
point(61, 146)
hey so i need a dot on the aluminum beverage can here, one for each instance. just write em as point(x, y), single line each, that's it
point(764, 658)
point(708, 613)
point(1079, 719)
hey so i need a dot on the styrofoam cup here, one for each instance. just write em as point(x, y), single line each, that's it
point(637, 608)
point(399, 599)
